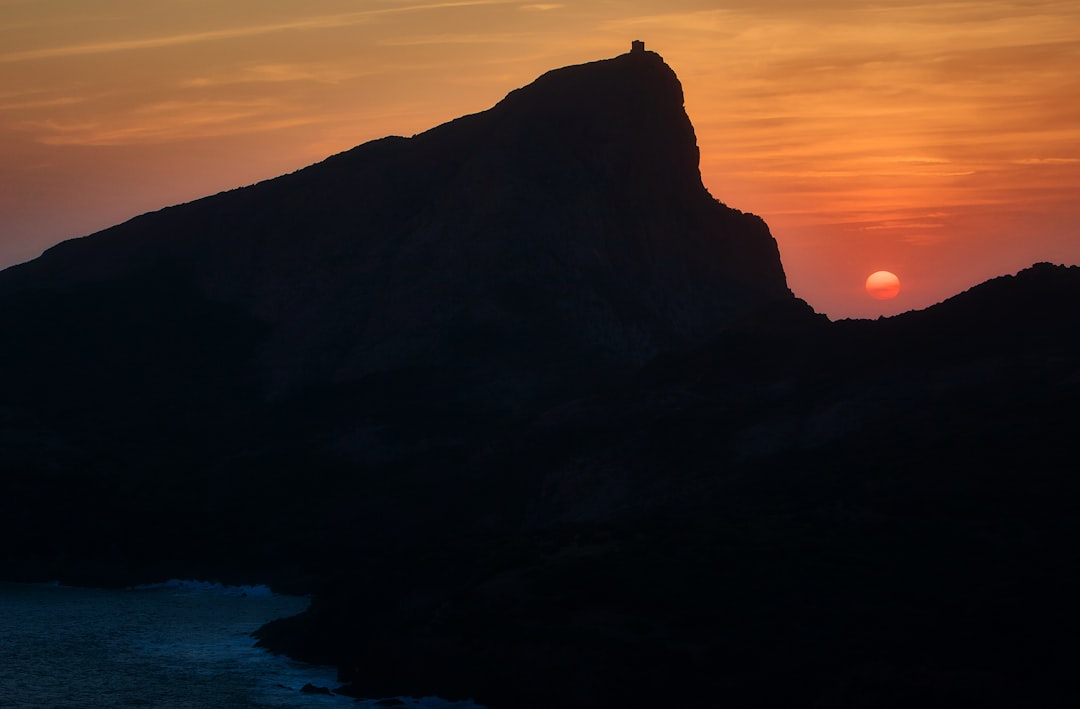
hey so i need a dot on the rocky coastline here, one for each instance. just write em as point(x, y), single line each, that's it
point(537, 421)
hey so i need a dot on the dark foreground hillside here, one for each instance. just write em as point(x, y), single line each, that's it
point(213, 373)
point(873, 513)
point(538, 422)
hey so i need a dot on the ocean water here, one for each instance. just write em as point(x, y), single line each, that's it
point(174, 645)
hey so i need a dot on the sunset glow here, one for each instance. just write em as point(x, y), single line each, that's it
point(941, 138)
point(883, 285)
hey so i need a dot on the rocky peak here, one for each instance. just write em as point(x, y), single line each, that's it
point(566, 227)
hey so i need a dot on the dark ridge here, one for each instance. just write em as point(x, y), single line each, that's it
point(538, 421)
point(390, 312)
point(1033, 312)
point(570, 219)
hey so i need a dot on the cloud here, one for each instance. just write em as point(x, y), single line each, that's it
point(1047, 161)
point(902, 225)
point(487, 38)
point(541, 6)
point(704, 21)
point(35, 104)
point(922, 239)
point(914, 160)
point(309, 23)
point(173, 120)
point(273, 74)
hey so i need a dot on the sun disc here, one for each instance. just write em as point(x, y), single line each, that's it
point(883, 285)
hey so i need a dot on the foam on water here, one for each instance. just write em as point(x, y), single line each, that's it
point(211, 587)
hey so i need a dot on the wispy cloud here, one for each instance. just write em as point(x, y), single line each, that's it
point(273, 74)
point(902, 225)
point(1047, 161)
point(915, 160)
point(40, 103)
point(487, 38)
point(172, 120)
point(308, 23)
point(702, 21)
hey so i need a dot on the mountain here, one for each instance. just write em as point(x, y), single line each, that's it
point(564, 231)
point(402, 303)
point(868, 514)
point(537, 420)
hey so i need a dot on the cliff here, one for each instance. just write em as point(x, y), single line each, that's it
point(564, 233)
point(537, 421)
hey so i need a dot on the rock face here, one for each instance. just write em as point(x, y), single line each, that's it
point(562, 233)
point(872, 513)
point(538, 422)
point(268, 377)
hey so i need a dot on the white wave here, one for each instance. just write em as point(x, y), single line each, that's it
point(207, 587)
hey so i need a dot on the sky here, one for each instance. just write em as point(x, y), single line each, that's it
point(936, 140)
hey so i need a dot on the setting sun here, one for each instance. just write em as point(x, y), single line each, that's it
point(883, 285)
point(925, 136)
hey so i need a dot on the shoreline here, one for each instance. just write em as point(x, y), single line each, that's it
point(267, 641)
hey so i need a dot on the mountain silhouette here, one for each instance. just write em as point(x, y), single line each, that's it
point(564, 230)
point(537, 420)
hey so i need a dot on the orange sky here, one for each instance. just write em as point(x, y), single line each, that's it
point(939, 141)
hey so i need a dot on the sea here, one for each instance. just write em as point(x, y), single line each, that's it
point(172, 645)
